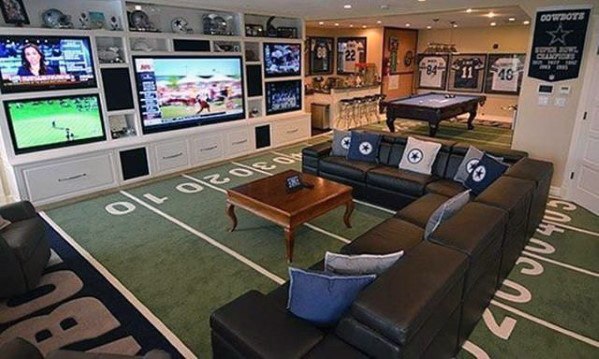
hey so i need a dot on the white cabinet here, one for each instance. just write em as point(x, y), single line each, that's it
point(205, 148)
point(238, 141)
point(171, 156)
point(63, 179)
point(286, 131)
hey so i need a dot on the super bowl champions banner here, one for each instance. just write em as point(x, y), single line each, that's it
point(558, 44)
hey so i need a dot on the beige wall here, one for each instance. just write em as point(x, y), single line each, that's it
point(481, 40)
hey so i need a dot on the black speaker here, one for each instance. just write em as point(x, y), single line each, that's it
point(117, 89)
point(262, 136)
point(191, 45)
point(254, 75)
point(134, 163)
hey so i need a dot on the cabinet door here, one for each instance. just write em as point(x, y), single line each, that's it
point(171, 156)
point(64, 179)
point(238, 141)
point(290, 130)
point(206, 148)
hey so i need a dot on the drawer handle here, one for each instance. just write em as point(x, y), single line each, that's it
point(293, 131)
point(240, 142)
point(72, 177)
point(173, 156)
point(209, 148)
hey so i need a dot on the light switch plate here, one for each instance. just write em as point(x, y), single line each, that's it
point(543, 100)
point(560, 102)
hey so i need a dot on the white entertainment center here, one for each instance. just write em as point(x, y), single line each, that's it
point(54, 175)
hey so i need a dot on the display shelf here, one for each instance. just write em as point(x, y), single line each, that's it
point(280, 27)
point(114, 66)
point(253, 53)
point(226, 46)
point(121, 124)
point(149, 44)
point(111, 50)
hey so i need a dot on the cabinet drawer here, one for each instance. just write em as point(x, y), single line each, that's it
point(72, 177)
point(205, 148)
point(171, 155)
point(290, 130)
point(238, 141)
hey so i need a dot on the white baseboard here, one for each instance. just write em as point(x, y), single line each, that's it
point(555, 191)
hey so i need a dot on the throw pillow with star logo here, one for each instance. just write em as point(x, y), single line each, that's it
point(484, 174)
point(471, 159)
point(419, 156)
point(341, 141)
point(364, 147)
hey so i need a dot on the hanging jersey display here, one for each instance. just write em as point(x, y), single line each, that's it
point(351, 53)
point(467, 71)
point(506, 73)
point(433, 71)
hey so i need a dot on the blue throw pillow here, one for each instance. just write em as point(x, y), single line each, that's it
point(322, 298)
point(341, 141)
point(364, 147)
point(485, 173)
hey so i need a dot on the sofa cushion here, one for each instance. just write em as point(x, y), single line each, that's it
point(341, 143)
point(341, 167)
point(484, 174)
point(447, 210)
point(445, 187)
point(322, 298)
point(392, 235)
point(4, 222)
point(419, 211)
point(398, 180)
point(471, 159)
point(24, 237)
point(419, 156)
point(333, 347)
point(364, 146)
point(359, 263)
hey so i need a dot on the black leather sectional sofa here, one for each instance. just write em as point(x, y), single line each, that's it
point(428, 302)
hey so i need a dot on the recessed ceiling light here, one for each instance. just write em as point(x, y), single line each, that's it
point(408, 24)
point(511, 19)
point(384, 7)
point(363, 26)
point(321, 23)
point(379, 22)
point(429, 27)
point(348, 6)
point(454, 25)
point(421, 0)
point(468, 11)
point(491, 14)
point(351, 25)
point(526, 22)
point(137, 7)
point(336, 24)
point(493, 24)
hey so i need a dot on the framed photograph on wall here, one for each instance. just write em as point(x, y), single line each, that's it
point(432, 71)
point(13, 12)
point(350, 51)
point(393, 54)
point(321, 57)
point(504, 73)
point(467, 72)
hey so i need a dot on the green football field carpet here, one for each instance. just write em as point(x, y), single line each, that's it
point(168, 243)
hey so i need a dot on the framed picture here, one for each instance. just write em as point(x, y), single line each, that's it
point(254, 30)
point(432, 71)
point(393, 54)
point(350, 51)
point(467, 72)
point(321, 55)
point(504, 73)
point(13, 12)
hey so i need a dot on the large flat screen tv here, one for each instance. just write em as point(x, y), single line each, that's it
point(41, 63)
point(283, 96)
point(184, 91)
point(52, 122)
point(282, 60)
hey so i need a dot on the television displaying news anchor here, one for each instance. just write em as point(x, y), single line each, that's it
point(33, 62)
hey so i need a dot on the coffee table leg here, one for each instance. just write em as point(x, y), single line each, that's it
point(231, 214)
point(289, 243)
point(349, 208)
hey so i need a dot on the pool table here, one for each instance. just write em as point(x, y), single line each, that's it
point(432, 107)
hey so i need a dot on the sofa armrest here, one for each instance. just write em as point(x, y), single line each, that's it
point(318, 151)
point(256, 327)
point(18, 211)
point(19, 348)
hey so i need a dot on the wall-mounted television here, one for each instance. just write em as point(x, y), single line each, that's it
point(184, 91)
point(52, 122)
point(283, 96)
point(41, 63)
point(282, 59)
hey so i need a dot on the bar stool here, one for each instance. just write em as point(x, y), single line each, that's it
point(346, 113)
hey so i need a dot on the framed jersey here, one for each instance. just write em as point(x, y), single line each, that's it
point(432, 71)
point(321, 55)
point(505, 73)
point(467, 72)
point(350, 51)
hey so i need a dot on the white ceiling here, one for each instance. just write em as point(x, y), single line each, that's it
point(476, 18)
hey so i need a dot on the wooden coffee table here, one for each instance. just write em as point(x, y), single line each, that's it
point(268, 198)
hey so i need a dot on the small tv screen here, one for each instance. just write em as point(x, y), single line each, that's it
point(282, 60)
point(51, 122)
point(183, 91)
point(283, 96)
point(41, 63)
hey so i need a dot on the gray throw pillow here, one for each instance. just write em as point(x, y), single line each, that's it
point(359, 264)
point(446, 211)
point(419, 156)
point(4, 222)
point(471, 159)
point(341, 141)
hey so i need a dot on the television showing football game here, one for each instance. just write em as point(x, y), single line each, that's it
point(183, 91)
point(283, 96)
point(282, 60)
point(41, 63)
point(44, 123)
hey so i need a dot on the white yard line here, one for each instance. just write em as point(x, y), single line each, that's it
point(547, 324)
point(157, 323)
point(375, 206)
point(561, 264)
point(576, 229)
point(252, 168)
